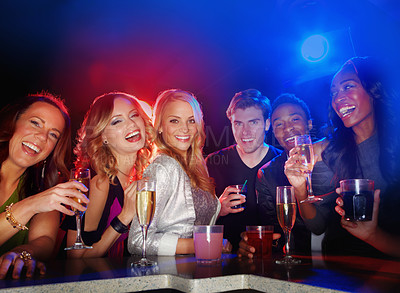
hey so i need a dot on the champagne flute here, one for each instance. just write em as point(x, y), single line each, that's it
point(145, 207)
point(286, 211)
point(83, 176)
point(307, 153)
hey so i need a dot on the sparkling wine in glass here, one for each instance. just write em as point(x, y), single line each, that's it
point(286, 211)
point(83, 176)
point(145, 208)
point(307, 154)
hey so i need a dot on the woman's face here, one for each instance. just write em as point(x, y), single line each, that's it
point(125, 133)
point(37, 132)
point(350, 101)
point(178, 126)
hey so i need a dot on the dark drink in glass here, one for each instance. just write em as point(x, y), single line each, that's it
point(358, 207)
point(260, 237)
point(243, 191)
point(358, 199)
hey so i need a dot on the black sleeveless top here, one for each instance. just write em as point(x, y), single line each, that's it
point(112, 208)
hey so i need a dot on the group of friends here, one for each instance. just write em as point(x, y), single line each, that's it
point(120, 143)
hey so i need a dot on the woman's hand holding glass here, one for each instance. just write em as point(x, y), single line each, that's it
point(60, 197)
point(79, 175)
point(364, 230)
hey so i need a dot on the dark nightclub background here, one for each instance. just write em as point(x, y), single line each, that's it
point(81, 49)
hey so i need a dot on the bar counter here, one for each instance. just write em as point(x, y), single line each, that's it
point(184, 274)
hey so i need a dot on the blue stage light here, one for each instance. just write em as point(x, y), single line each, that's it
point(315, 48)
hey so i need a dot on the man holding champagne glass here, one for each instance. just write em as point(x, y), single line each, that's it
point(290, 117)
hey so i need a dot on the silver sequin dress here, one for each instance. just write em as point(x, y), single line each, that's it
point(175, 212)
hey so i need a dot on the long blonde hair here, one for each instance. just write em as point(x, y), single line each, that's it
point(194, 164)
point(90, 148)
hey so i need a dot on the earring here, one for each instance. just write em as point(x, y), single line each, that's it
point(41, 186)
point(105, 142)
point(43, 169)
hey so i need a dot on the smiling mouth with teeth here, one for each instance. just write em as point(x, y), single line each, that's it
point(131, 135)
point(31, 147)
point(347, 110)
point(247, 139)
point(182, 137)
point(290, 139)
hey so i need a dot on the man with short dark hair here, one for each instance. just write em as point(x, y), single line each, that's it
point(290, 117)
point(238, 164)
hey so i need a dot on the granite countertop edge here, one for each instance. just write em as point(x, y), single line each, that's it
point(153, 282)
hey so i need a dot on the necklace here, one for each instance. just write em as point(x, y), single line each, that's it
point(131, 177)
point(123, 173)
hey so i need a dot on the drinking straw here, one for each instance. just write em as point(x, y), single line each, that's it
point(244, 184)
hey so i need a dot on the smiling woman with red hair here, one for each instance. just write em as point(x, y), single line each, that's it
point(116, 140)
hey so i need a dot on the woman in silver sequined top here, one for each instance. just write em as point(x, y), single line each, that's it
point(185, 193)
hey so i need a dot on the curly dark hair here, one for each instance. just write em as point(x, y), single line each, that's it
point(287, 98)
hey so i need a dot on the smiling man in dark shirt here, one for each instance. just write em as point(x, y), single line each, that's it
point(249, 115)
point(290, 117)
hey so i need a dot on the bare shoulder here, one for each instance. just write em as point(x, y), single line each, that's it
point(99, 184)
point(99, 187)
point(319, 146)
